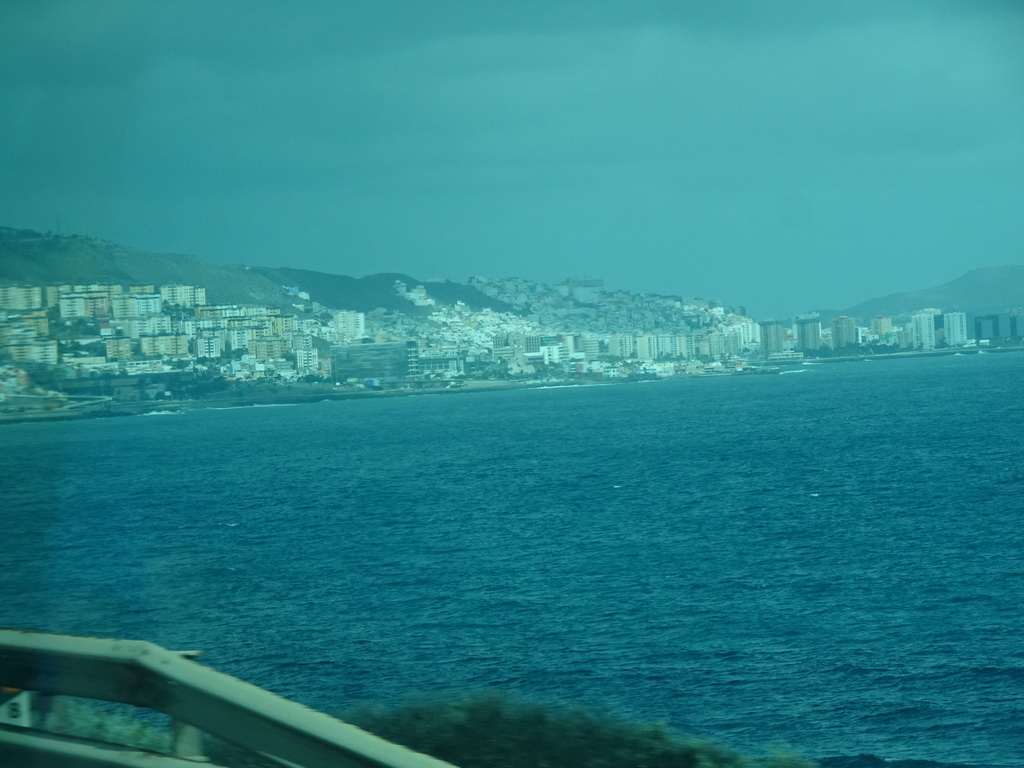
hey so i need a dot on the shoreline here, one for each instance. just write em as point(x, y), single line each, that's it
point(112, 409)
point(299, 394)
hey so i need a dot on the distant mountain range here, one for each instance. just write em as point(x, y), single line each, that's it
point(990, 290)
point(33, 258)
point(981, 291)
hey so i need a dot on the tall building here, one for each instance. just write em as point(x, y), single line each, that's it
point(183, 295)
point(881, 325)
point(773, 337)
point(307, 359)
point(844, 333)
point(591, 347)
point(621, 345)
point(1016, 324)
point(808, 333)
point(647, 347)
point(684, 347)
point(209, 345)
point(986, 327)
point(955, 326)
point(922, 328)
point(20, 297)
point(745, 332)
point(390, 361)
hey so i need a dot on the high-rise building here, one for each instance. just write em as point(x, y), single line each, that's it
point(808, 333)
point(1016, 324)
point(922, 328)
point(209, 345)
point(844, 333)
point(20, 296)
point(183, 295)
point(773, 337)
point(986, 327)
point(621, 345)
point(684, 347)
point(307, 359)
point(647, 347)
point(881, 325)
point(955, 326)
point(591, 347)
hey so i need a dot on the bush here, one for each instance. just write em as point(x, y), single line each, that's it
point(490, 729)
point(484, 729)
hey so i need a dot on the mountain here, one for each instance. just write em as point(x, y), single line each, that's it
point(377, 291)
point(980, 291)
point(32, 258)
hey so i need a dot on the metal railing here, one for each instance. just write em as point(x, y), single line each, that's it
point(197, 698)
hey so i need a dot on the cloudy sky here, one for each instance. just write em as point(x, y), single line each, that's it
point(782, 155)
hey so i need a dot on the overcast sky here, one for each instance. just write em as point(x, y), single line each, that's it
point(780, 155)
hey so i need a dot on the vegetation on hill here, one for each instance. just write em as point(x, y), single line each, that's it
point(368, 293)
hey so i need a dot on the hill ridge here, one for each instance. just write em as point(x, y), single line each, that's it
point(981, 290)
point(37, 258)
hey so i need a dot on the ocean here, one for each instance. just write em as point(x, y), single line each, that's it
point(831, 558)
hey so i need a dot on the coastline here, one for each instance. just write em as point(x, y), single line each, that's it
point(296, 394)
point(281, 395)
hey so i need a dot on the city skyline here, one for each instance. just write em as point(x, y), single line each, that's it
point(793, 157)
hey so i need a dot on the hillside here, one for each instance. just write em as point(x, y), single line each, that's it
point(373, 291)
point(980, 291)
point(33, 258)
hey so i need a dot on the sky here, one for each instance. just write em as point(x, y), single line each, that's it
point(783, 156)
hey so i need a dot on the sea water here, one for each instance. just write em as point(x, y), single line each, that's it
point(831, 559)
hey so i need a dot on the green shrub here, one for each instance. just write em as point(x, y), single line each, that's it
point(491, 729)
point(483, 729)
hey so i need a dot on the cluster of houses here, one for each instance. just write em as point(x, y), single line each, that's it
point(576, 327)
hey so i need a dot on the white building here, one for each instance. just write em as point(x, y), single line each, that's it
point(922, 329)
point(349, 325)
point(209, 345)
point(955, 326)
point(183, 295)
point(134, 327)
point(684, 347)
point(20, 297)
point(747, 333)
point(647, 347)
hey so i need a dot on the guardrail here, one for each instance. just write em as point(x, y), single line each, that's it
point(196, 697)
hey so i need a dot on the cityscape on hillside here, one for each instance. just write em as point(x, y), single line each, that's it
point(74, 345)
